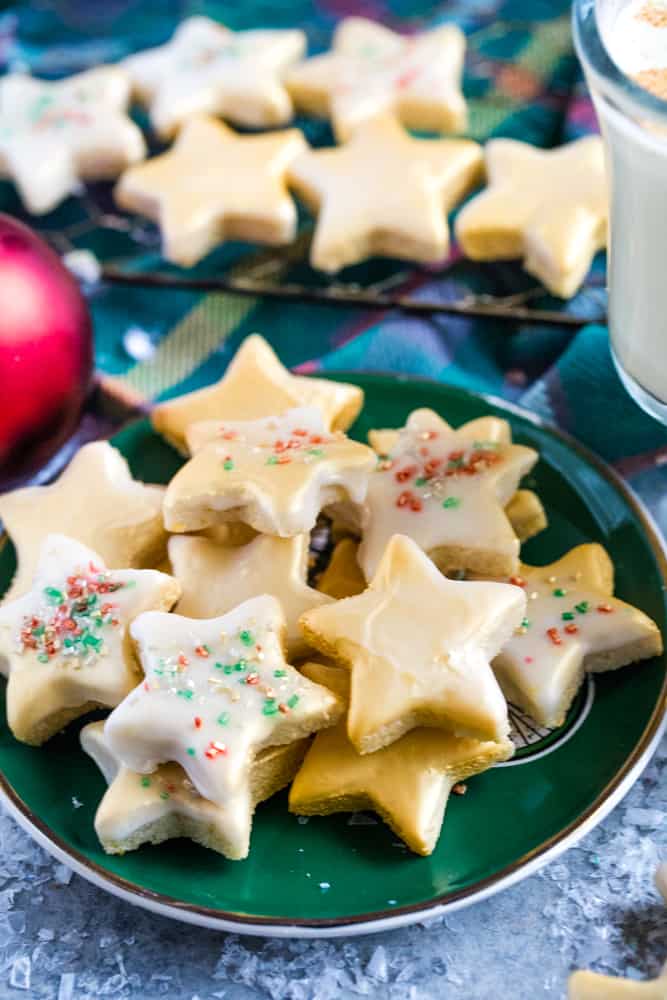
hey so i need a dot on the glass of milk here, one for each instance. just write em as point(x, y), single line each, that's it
point(623, 47)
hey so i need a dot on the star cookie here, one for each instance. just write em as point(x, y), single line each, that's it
point(573, 624)
point(407, 784)
point(257, 385)
point(343, 576)
point(383, 193)
point(418, 646)
point(95, 501)
point(208, 69)
point(217, 691)
point(215, 185)
point(149, 809)
point(64, 644)
point(274, 474)
point(372, 70)
point(547, 206)
point(53, 135)
point(447, 490)
point(526, 514)
point(266, 565)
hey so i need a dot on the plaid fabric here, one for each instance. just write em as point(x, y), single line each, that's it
point(521, 80)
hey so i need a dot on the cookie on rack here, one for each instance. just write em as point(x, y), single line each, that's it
point(372, 70)
point(275, 474)
point(545, 206)
point(141, 809)
point(419, 648)
point(215, 185)
point(216, 692)
point(257, 385)
point(56, 134)
point(208, 69)
point(384, 193)
point(96, 502)
point(408, 783)
point(65, 644)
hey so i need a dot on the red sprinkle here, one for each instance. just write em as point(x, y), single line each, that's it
point(214, 749)
point(431, 466)
point(252, 679)
point(527, 659)
point(517, 581)
point(182, 660)
point(554, 636)
point(408, 472)
point(605, 609)
point(284, 460)
point(415, 504)
point(146, 686)
point(404, 499)
point(198, 722)
point(316, 439)
point(571, 629)
point(300, 432)
point(282, 707)
point(228, 435)
point(202, 651)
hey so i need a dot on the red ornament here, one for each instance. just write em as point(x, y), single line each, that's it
point(46, 351)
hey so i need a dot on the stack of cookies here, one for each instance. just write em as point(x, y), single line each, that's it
point(189, 612)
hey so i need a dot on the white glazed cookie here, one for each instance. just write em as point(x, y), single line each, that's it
point(215, 578)
point(573, 624)
point(408, 783)
point(54, 135)
point(95, 501)
point(215, 185)
point(206, 68)
point(418, 646)
point(217, 691)
point(257, 385)
point(274, 474)
point(384, 193)
point(447, 490)
point(151, 808)
point(548, 207)
point(372, 70)
point(64, 645)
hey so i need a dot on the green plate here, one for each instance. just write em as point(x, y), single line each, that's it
point(342, 874)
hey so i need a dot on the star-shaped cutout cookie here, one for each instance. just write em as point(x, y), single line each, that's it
point(266, 565)
point(206, 68)
point(372, 70)
point(53, 135)
point(573, 624)
point(407, 783)
point(548, 207)
point(95, 501)
point(64, 644)
point(274, 474)
point(139, 808)
point(214, 185)
point(217, 691)
point(418, 646)
point(257, 385)
point(384, 193)
point(446, 489)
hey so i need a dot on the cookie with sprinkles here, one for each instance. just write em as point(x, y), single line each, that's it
point(275, 474)
point(141, 809)
point(55, 135)
point(573, 625)
point(216, 692)
point(257, 385)
point(407, 784)
point(419, 648)
point(64, 645)
point(447, 490)
point(372, 70)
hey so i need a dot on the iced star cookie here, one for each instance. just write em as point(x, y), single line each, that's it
point(383, 193)
point(257, 385)
point(407, 784)
point(217, 691)
point(215, 578)
point(548, 207)
point(573, 624)
point(419, 648)
point(446, 489)
point(151, 808)
point(208, 69)
point(372, 70)
point(64, 645)
point(95, 501)
point(274, 474)
point(215, 185)
point(54, 135)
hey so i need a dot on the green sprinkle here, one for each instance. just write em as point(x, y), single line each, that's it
point(128, 584)
point(272, 460)
point(246, 637)
point(280, 673)
point(93, 641)
point(525, 623)
point(241, 665)
point(270, 707)
point(223, 719)
point(191, 752)
point(164, 795)
point(451, 503)
point(39, 630)
point(218, 666)
point(567, 616)
point(92, 600)
point(559, 592)
point(53, 595)
point(185, 693)
point(228, 465)
point(315, 451)
point(583, 607)
point(43, 657)
point(145, 781)
point(294, 700)
point(228, 669)
point(421, 481)
point(68, 643)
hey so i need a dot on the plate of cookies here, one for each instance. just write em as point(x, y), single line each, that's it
point(312, 657)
